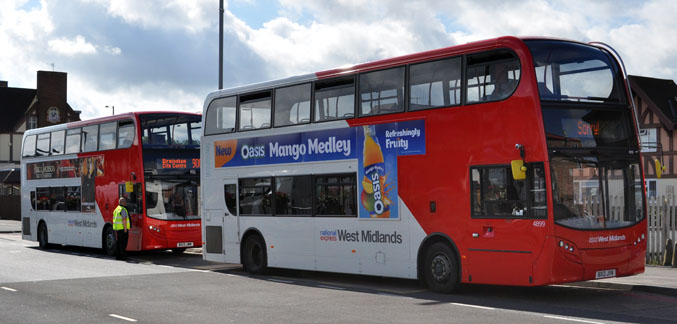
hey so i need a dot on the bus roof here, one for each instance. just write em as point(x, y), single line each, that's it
point(504, 41)
point(129, 115)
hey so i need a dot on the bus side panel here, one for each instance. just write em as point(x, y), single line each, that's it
point(288, 239)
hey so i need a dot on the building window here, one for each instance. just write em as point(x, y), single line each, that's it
point(651, 188)
point(649, 139)
point(32, 122)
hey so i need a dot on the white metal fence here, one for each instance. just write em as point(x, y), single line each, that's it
point(662, 224)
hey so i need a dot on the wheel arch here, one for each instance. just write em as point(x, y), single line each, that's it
point(103, 233)
point(246, 234)
point(431, 239)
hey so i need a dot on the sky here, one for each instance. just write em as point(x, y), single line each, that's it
point(140, 55)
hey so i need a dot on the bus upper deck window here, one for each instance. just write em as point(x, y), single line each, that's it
point(382, 92)
point(90, 138)
point(125, 134)
point(435, 84)
point(42, 147)
point(57, 145)
point(107, 136)
point(254, 111)
point(221, 116)
point(492, 76)
point(335, 99)
point(29, 146)
point(292, 105)
point(73, 141)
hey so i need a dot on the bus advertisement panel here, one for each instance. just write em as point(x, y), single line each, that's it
point(378, 185)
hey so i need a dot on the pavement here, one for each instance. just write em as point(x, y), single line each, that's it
point(10, 226)
point(655, 279)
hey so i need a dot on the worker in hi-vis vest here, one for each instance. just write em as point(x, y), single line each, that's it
point(121, 226)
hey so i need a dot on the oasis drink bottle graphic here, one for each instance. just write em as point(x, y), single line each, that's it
point(374, 195)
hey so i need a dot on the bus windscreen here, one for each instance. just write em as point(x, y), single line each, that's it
point(575, 72)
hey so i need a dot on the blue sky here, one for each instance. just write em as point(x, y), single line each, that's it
point(163, 54)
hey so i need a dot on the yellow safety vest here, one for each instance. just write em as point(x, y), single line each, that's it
point(118, 222)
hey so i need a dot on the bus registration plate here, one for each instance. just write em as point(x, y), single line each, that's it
point(605, 274)
point(184, 244)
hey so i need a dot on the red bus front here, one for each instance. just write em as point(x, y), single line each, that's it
point(171, 178)
point(595, 173)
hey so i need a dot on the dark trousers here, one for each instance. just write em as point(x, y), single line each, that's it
point(121, 244)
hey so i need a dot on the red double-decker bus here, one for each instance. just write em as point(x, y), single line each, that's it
point(73, 174)
point(510, 161)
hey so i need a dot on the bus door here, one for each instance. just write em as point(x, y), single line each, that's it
point(221, 221)
point(507, 225)
point(132, 192)
point(231, 226)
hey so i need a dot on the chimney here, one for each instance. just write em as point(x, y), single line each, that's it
point(51, 87)
point(3, 84)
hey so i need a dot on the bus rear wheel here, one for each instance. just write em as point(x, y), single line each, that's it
point(109, 240)
point(43, 239)
point(254, 258)
point(441, 268)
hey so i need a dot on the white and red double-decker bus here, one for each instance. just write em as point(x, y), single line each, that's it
point(510, 161)
point(73, 174)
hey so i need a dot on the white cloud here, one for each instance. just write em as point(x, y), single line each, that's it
point(193, 16)
point(169, 46)
point(148, 96)
point(350, 31)
point(22, 25)
point(71, 47)
point(112, 50)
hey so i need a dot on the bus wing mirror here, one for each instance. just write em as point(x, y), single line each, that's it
point(659, 168)
point(519, 170)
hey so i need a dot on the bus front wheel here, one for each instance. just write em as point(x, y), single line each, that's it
point(43, 239)
point(441, 268)
point(109, 240)
point(254, 259)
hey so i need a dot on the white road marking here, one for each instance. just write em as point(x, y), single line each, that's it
point(198, 270)
point(122, 317)
point(8, 289)
point(14, 251)
point(474, 306)
point(282, 281)
point(330, 287)
point(571, 319)
point(388, 295)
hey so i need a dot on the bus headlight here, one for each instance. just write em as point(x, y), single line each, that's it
point(154, 228)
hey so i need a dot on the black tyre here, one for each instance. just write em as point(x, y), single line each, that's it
point(108, 240)
point(178, 250)
point(441, 268)
point(254, 258)
point(43, 238)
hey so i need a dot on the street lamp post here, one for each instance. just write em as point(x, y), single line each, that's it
point(113, 107)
